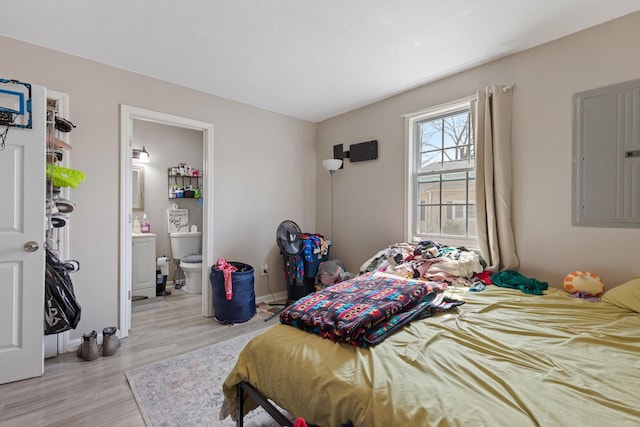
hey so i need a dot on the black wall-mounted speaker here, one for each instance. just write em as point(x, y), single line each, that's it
point(363, 151)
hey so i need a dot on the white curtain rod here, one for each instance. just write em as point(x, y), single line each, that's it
point(505, 89)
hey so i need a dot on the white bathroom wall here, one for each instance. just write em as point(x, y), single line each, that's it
point(167, 146)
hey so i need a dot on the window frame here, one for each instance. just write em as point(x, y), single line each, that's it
point(412, 149)
point(452, 211)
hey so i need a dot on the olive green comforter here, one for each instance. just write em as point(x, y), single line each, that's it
point(504, 358)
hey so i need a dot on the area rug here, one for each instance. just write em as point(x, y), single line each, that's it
point(187, 390)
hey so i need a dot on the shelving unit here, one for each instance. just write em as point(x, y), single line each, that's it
point(57, 150)
point(183, 186)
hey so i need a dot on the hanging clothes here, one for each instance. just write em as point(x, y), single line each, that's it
point(227, 269)
point(314, 247)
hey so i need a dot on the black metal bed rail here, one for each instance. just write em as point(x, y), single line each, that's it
point(245, 387)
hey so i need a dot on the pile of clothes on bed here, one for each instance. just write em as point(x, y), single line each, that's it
point(428, 260)
point(364, 310)
point(401, 283)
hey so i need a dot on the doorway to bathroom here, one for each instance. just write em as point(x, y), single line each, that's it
point(147, 122)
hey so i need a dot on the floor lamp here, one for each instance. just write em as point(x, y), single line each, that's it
point(332, 165)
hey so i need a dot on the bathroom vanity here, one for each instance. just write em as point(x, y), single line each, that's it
point(143, 265)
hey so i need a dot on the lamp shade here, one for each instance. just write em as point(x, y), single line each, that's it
point(144, 155)
point(141, 155)
point(332, 165)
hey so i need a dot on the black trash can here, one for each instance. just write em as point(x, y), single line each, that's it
point(242, 306)
point(161, 284)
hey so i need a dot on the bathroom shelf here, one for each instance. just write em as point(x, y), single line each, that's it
point(184, 183)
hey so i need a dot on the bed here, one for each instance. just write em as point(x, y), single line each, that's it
point(503, 358)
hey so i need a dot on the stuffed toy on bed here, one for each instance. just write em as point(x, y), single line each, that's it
point(584, 283)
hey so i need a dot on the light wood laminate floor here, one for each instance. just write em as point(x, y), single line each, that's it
point(73, 392)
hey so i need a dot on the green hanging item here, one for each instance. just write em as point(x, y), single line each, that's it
point(65, 177)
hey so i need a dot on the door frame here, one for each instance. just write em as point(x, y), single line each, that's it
point(127, 116)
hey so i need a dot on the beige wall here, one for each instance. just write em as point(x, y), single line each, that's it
point(267, 165)
point(264, 169)
point(369, 195)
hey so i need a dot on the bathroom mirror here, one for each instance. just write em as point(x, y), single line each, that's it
point(137, 188)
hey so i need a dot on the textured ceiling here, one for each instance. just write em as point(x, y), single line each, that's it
point(307, 59)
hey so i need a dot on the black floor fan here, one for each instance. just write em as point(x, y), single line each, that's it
point(289, 240)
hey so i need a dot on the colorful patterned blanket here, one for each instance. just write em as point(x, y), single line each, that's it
point(364, 310)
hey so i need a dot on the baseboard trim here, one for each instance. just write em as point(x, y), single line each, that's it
point(279, 297)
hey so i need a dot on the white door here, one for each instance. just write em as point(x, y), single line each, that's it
point(22, 227)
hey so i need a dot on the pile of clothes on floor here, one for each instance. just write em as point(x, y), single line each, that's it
point(331, 272)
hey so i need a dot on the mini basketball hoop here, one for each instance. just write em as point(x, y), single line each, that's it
point(15, 107)
point(7, 118)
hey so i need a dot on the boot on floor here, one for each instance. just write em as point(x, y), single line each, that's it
point(110, 341)
point(89, 348)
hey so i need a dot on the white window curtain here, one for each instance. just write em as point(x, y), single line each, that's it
point(491, 113)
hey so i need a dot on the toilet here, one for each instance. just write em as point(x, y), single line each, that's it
point(187, 248)
point(192, 266)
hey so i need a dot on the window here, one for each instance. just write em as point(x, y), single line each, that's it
point(441, 175)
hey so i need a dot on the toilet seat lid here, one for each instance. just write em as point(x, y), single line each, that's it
point(192, 258)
